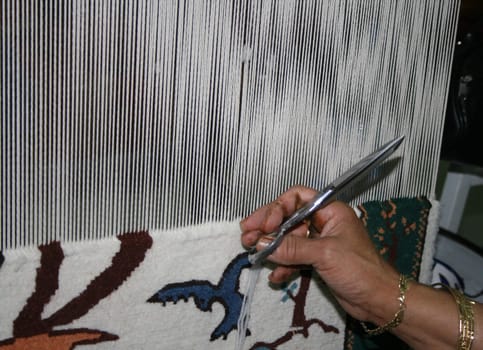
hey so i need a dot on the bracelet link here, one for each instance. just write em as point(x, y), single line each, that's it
point(399, 315)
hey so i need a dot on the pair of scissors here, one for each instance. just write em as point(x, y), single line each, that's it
point(324, 197)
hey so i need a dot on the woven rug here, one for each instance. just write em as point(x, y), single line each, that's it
point(183, 289)
point(398, 229)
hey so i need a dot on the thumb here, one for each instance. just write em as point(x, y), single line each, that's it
point(293, 250)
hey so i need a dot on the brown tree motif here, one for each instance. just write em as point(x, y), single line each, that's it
point(30, 331)
point(300, 323)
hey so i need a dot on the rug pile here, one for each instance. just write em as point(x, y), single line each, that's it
point(183, 289)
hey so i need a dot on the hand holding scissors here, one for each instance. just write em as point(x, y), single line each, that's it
point(325, 197)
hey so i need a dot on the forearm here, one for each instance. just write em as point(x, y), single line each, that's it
point(431, 319)
point(365, 285)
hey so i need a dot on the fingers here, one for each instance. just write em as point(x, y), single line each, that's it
point(285, 258)
point(297, 248)
point(281, 274)
point(293, 250)
point(267, 218)
point(336, 214)
point(287, 262)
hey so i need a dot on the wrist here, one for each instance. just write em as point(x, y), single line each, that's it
point(398, 316)
point(384, 303)
point(430, 320)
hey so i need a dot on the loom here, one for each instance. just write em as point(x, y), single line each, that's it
point(120, 116)
point(140, 115)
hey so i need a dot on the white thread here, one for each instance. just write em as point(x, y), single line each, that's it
point(125, 116)
point(244, 318)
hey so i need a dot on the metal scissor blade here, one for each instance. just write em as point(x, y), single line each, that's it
point(367, 163)
point(325, 197)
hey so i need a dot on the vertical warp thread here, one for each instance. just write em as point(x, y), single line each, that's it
point(120, 116)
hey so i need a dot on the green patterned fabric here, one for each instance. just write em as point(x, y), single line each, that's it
point(398, 229)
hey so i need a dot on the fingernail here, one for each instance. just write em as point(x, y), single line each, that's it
point(264, 241)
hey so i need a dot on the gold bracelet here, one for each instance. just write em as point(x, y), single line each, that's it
point(399, 315)
point(466, 317)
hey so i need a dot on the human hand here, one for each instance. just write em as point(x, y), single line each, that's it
point(341, 252)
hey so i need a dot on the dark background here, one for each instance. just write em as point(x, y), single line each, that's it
point(463, 131)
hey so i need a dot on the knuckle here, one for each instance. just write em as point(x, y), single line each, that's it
point(291, 249)
point(287, 253)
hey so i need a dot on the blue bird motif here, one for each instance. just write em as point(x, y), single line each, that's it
point(204, 294)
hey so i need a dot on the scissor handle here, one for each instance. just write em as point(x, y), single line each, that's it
point(320, 200)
